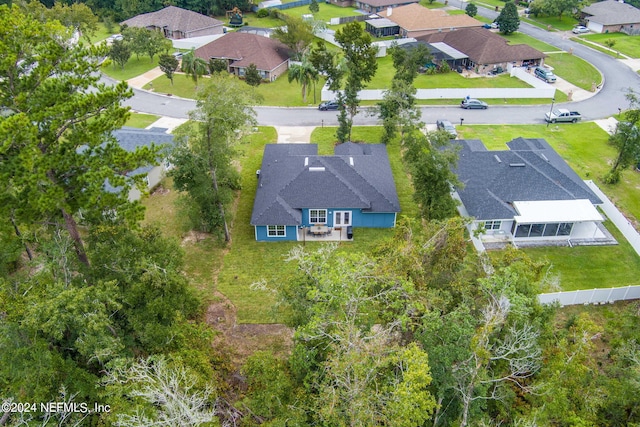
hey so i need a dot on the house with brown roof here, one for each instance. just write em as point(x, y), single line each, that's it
point(486, 50)
point(177, 23)
point(415, 20)
point(611, 16)
point(374, 6)
point(240, 50)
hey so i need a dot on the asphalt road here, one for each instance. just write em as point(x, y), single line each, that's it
point(618, 78)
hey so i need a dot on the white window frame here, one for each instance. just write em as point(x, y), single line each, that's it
point(317, 216)
point(492, 225)
point(276, 231)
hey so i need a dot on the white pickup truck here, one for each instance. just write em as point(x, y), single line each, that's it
point(562, 115)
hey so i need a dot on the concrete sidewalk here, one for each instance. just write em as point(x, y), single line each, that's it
point(619, 220)
point(141, 80)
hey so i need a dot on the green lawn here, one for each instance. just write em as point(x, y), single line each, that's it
point(101, 33)
point(584, 146)
point(628, 45)
point(588, 267)
point(575, 70)
point(327, 11)
point(603, 49)
point(252, 20)
point(565, 24)
point(521, 38)
point(133, 68)
point(140, 120)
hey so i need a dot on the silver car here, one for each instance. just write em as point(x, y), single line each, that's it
point(446, 126)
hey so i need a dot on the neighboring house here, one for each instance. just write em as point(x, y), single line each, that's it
point(240, 50)
point(485, 49)
point(415, 20)
point(611, 16)
point(177, 23)
point(527, 194)
point(374, 6)
point(132, 138)
point(297, 189)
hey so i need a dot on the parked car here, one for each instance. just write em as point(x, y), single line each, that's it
point(328, 105)
point(580, 29)
point(562, 115)
point(468, 103)
point(113, 38)
point(446, 126)
point(177, 55)
point(545, 74)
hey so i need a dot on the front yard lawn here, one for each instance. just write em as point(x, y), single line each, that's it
point(565, 24)
point(133, 68)
point(628, 45)
point(140, 120)
point(574, 70)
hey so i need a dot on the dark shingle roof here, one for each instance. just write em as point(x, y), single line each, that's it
point(612, 12)
point(529, 171)
point(174, 19)
point(483, 46)
point(246, 49)
point(357, 176)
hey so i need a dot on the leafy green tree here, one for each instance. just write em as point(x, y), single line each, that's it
point(218, 66)
point(508, 20)
point(306, 75)
point(626, 140)
point(193, 66)
point(398, 110)
point(471, 10)
point(156, 43)
point(120, 52)
point(77, 16)
point(314, 7)
point(252, 76)
point(610, 43)
point(360, 60)
point(57, 153)
point(137, 39)
point(297, 35)
point(203, 155)
point(561, 7)
point(168, 64)
point(430, 162)
point(328, 64)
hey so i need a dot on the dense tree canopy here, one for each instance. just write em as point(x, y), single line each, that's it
point(508, 21)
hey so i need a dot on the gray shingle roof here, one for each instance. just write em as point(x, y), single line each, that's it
point(529, 171)
point(174, 19)
point(612, 12)
point(357, 176)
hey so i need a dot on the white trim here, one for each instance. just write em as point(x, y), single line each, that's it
point(318, 216)
point(284, 229)
point(342, 222)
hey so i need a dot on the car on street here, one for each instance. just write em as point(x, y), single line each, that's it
point(580, 29)
point(446, 126)
point(470, 103)
point(328, 105)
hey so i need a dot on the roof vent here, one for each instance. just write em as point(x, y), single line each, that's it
point(516, 165)
point(497, 158)
point(306, 161)
point(316, 169)
point(544, 157)
point(351, 161)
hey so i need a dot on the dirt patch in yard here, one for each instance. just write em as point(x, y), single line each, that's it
point(242, 340)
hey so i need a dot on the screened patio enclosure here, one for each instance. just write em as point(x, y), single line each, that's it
point(556, 219)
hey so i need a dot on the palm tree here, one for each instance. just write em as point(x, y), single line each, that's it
point(194, 66)
point(305, 74)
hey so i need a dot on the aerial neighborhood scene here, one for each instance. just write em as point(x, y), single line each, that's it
point(395, 213)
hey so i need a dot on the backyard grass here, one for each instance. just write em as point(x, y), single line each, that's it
point(327, 11)
point(625, 44)
point(575, 70)
point(140, 120)
point(588, 267)
point(133, 68)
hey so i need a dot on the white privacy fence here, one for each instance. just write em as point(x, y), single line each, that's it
point(591, 296)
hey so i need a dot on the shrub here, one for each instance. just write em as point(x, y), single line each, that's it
point(262, 13)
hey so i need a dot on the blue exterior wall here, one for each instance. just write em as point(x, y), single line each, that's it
point(358, 218)
point(261, 234)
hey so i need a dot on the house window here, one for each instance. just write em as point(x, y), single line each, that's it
point(276, 231)
point(492, 225)
point(317, 216)
point(546, 230)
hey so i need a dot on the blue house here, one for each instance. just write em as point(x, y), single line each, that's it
point(300, 192)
